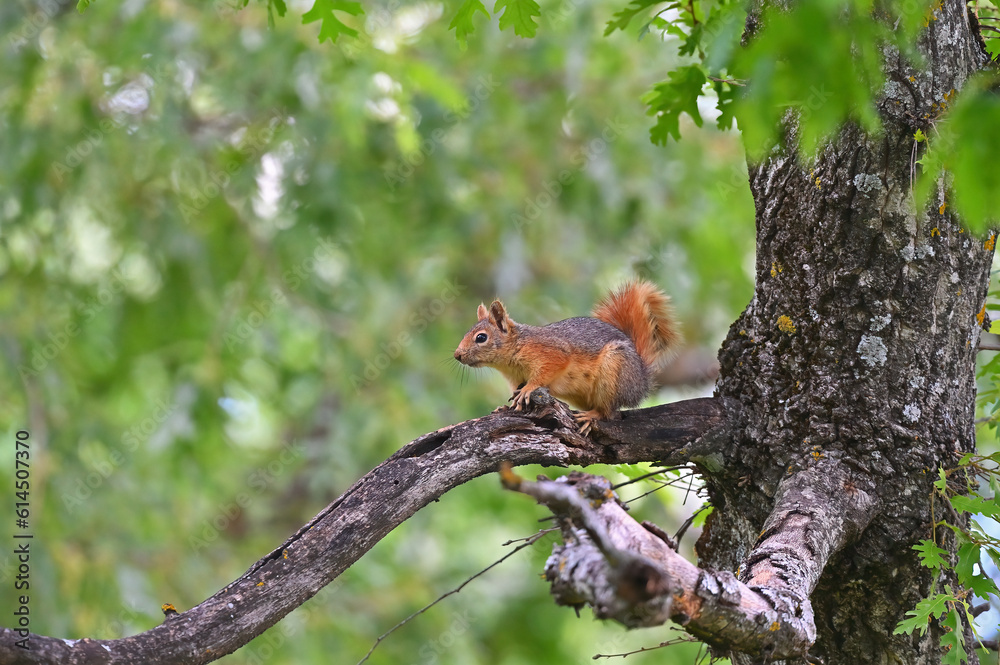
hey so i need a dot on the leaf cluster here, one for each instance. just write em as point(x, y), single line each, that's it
point(812, 68)
point(961, 138)
point(956, 493)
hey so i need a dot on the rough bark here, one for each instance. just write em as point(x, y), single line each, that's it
point(419, 473)
point(859, 345)
point(627, 572)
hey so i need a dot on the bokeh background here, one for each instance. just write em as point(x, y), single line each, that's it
point(235, 262)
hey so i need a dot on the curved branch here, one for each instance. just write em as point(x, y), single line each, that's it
point(416, 475)
point(627, 572)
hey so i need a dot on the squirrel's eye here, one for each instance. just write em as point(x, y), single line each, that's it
point(481, 337)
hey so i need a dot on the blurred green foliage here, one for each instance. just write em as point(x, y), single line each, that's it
point(235, 262)
point(240, 240)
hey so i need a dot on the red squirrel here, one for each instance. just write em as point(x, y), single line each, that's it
point(598, 364)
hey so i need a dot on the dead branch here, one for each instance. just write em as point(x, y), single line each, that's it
point(419, 473)
point(612, 563)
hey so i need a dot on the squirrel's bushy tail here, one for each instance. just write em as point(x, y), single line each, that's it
point(642, 312)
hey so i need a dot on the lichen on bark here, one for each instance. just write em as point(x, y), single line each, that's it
point(880, 371)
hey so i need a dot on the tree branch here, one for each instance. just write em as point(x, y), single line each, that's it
point(628, 573)
point(414, 476)
point(989, 342)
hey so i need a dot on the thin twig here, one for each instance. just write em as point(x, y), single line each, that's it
point(646, 475)
point(659, 487)
point(687, 523)
point(729, 81)
point(662, 484)
point(668, 643)
point(531, 540)
point(533, 537)
point(687, 492)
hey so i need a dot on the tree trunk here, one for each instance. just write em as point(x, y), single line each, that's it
point(859, 346)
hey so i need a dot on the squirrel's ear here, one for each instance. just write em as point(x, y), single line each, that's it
point(482, 312)
point(498, 315)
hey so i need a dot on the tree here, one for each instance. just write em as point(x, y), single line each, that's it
point(846, 386)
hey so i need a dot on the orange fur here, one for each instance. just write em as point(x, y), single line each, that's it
point(642, 312)
point(577, 381)
point(589, 382)
point(597, 367)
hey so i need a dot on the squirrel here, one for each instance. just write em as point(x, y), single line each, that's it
point(598, 364)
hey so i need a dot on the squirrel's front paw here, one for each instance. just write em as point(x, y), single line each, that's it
point(521, 398)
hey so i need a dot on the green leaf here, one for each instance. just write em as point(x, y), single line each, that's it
point(81, 5)
point(942, 482)
point(931, 556)
point(975, 505)
point(994, 555)
point(463, 24)
point(722, 34)
point(272, 7)
point(332, 27)
point(967, 135)
point(825, 86)
point(692, 41)
point(953, 640)
point(921, 615)
point(668, 99)
point(968, 557)
point(982, 586)
point(727, 104)
point(701, 516)
point(519, 14)
point(632, 471)
point(621, 18)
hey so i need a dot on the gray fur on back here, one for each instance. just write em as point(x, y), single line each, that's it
point(587, 333)
point(591, 336)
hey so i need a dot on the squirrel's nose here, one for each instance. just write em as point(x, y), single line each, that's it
point(458, 354)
